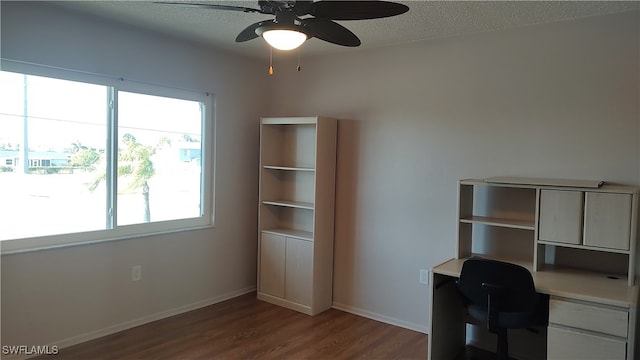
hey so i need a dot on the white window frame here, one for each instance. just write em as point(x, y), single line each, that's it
point(206, 220)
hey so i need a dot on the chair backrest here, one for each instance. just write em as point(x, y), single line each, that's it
point(518, 292)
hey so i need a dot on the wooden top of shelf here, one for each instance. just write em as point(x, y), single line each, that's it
point(291, 204)
point(559, 184)
point(594, 184)
point(289, 168)
point(566, 282)
point(289, 120)
point(507, 223)
point(299, 234)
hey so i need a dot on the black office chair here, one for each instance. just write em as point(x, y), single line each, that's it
point(503, 296)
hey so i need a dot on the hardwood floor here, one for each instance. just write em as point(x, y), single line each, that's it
point(245, 328)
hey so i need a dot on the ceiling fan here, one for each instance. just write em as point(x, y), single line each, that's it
point(297, 21)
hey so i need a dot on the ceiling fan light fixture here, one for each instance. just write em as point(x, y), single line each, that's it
point(284, 39)
point(297, 21)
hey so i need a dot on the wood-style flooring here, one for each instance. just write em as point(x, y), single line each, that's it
point(246, 328)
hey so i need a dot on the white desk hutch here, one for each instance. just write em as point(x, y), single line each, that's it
point(578, 239)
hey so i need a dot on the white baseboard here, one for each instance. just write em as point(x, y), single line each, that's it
point(382, 318)
point(63, 343)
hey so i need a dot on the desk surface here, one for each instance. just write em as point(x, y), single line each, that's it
point(571, 283)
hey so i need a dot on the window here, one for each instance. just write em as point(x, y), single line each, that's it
point(94, 161)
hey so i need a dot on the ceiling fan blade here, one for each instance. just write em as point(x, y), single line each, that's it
point(214, 6)
point(249, 33)
point(357, 10)
point(303, 7)
point(330, 31)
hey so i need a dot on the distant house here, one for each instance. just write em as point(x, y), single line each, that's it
point(190, 152)
point(11, 158)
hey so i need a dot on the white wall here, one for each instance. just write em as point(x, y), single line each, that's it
point(555, 100)
point(62, 296)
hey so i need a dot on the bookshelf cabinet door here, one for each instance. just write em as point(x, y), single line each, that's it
point(299, 262)
point(272, 261)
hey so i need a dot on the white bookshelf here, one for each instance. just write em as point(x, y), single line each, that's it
point(296, 210)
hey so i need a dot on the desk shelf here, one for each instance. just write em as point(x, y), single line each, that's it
point(498, 222)
point(583, 247)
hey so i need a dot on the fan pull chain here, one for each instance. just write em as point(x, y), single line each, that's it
point(270, 60)
point(298, 68)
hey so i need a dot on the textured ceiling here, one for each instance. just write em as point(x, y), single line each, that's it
point(425, 20)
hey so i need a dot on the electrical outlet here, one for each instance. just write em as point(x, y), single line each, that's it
point(424, 277)
point(136, 273)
